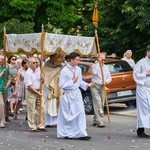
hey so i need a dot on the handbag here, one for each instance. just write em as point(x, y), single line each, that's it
point(13, 81)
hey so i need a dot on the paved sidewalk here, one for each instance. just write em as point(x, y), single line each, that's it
point(122, 109)
point(132, 113)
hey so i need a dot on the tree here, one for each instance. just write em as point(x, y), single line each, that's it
point(125, 25)
point(14, 26)
point(53, 14)
point(60, 14)
point(23, 10)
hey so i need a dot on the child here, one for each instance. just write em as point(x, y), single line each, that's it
point(9, 98)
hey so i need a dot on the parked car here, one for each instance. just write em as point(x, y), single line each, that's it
point(122, 88)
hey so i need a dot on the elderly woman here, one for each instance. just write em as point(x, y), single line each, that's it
point(127, 57)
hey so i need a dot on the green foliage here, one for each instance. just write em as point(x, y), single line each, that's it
point(14, 26)
point(124, 24)
point(60, 14)
point(63, 14)
point(23, 10)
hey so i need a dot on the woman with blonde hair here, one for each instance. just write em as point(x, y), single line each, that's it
point(127, 57)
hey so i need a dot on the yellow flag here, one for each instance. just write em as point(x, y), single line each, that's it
point(95, 16)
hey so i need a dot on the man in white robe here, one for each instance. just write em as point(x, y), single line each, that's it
point(51, 90)
point(71, 121)
point(141, 76)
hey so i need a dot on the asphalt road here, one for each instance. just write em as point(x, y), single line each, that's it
point(120, 134)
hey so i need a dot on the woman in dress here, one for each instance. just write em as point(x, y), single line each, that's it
point(13, 73)
point(20, 86)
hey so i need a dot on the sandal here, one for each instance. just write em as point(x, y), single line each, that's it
point(26, 118)
point(15, 117)
point(11, 114)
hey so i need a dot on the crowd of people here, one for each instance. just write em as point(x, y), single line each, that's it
point(60, 102)
point(22, 79)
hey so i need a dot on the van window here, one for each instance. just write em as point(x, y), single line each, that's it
point(117, 67)
point(84, 68)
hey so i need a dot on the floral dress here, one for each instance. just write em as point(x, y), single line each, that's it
point(20, 96)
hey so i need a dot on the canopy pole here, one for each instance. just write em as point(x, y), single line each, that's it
point(4, 53)
point(97, 41)
point(41, 69)
point(102, 73)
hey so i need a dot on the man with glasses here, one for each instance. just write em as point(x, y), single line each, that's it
point(97, 90)
point(32, 80)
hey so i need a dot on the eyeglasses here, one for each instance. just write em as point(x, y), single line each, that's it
point(13, 59)
point(34, 62)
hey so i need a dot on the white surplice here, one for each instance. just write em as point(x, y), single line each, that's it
point(142, 92)
point(71, 114)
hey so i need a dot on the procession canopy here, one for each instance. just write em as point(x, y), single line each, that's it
point(31, 43)
point(68, 44)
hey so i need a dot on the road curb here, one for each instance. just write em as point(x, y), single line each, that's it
point(132, 113)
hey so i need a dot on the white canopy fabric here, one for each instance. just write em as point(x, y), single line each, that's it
point(52, 42)
point(25, 42)
point(68, 44)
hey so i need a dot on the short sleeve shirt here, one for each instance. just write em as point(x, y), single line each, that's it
point(2, 78)
point(32, 78)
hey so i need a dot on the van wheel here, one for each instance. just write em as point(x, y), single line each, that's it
point(88, 103)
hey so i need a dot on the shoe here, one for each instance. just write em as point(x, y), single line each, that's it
point(48, 126)
point(67, 137)
point(11, 114)
point(35, 130)
point(42, 129)
point(21, 109)
point(15, 118)
point(26, 118)
point(7, 119)
point(85, 138)
point(102, 115)
point(2, 125)
point(143, 135)
point(101, 125)
point(94, 124)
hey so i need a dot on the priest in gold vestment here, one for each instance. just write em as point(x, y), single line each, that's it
point(51, 91)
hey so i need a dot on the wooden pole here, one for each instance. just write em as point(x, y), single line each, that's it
point(102, 73)
point(41, 69)
point(4, 53)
